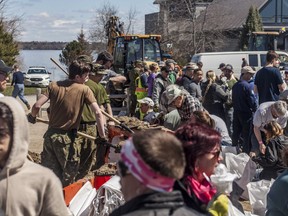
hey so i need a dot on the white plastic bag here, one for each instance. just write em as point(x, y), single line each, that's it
point(80, 203)
point(244, 167)
point(108, 198)
point(258, 195)
point(228, 149)
point(233, 211)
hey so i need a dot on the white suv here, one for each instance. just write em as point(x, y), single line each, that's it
point(37, 76)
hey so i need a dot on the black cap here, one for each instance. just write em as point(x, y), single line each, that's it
point(229, 67)
point(221, 65)
point(4, 69)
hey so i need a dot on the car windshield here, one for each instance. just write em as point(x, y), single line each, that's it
point(37, 71)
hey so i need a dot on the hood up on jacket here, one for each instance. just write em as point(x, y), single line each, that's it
point(20, 138)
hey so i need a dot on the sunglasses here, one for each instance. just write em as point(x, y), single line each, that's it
point(215, 153)
point(122, 169)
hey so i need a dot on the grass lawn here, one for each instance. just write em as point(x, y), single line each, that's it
point(27, 90)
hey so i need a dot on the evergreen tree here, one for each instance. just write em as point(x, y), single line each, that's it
point(74, 49)
point(253, 23)
point(8, 46)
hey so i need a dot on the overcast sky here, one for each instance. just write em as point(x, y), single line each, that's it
point(61, 20)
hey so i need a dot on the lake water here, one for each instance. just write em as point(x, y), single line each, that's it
point(29, 58)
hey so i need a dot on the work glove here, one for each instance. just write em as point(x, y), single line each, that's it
point(31, 118)
point(101, 141)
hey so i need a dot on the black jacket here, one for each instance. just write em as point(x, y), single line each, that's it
point(155, 204)
point(271, 162)
point(191, 200)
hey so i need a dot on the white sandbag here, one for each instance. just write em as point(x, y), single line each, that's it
point(82, 200)
point(258, 196)
point(233, 211)
point(243, 167)
point(228, 149)
point(108, 198)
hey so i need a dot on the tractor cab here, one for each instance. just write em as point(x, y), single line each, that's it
point(130, 48)
point(263, 41)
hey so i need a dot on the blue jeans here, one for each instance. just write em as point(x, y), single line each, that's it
point(19, 91)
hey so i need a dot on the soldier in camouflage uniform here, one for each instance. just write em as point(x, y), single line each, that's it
point(61, 151)
point(88, 122)
point(133, 74)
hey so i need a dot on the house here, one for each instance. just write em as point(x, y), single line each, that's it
point(218, 23)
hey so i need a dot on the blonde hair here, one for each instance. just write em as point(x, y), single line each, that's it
point(273, 129)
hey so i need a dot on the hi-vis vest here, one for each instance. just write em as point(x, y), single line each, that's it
point(140, 91)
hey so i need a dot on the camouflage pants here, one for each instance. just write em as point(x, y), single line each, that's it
point(61, 154)
point(88, 149)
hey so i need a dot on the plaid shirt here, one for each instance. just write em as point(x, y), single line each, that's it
point(190, 104)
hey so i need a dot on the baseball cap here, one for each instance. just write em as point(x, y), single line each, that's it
point(169, 61)
point(85, 59)
point(98, 69)
point(221, 65)
point(146, 100)
point(4, 69)
point(247, 69)
point(229, 67)
point(172, 92)
point(191, 66)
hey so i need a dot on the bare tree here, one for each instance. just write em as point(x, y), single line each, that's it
point(12, 24)
point(131, 20)
point(98, 31)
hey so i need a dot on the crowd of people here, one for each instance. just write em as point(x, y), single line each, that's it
point(161, 173)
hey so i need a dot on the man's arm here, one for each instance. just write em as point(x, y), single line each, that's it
point(259, 139)
point(39, 103)
point(99, 119)
point(282, 87)
point(109, 109)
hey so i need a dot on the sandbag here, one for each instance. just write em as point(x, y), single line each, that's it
point(108, 198)
point(258, 196)
point(243, 167)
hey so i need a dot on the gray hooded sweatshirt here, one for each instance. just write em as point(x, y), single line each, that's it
point(27, 188)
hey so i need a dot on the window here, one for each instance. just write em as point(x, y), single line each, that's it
point(151, 50)
point(263, 59)
point(268, 12)
point(275, 11)
point(253, 60)
point(119, 50)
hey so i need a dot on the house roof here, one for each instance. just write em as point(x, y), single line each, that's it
point(227, 14)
